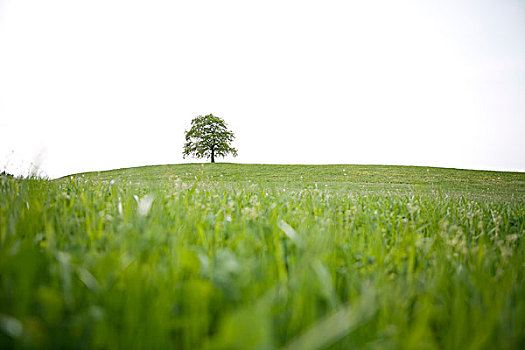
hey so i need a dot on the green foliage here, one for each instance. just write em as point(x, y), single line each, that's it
point(208, 137)
point(181, 257)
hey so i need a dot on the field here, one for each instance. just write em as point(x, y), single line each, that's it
point(225, 256)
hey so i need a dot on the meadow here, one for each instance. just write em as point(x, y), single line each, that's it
point(229, 256)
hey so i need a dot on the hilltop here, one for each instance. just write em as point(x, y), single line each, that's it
point(377, 179)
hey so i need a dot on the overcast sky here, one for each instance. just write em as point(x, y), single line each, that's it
point(103, 84)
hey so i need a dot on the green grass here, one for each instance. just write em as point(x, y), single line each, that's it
point(348, 178)
point(227, 256)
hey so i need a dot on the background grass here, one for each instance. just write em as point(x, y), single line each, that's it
point(360, 178)
point(227, 256)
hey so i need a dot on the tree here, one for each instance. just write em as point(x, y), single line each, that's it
point(208, 137)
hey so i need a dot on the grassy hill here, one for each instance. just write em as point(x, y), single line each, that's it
point(375, 179)
point(226, 256)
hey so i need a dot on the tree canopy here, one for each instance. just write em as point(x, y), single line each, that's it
point(208, 137)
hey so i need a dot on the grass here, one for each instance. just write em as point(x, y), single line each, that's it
point(229, 256)
point(348, 178)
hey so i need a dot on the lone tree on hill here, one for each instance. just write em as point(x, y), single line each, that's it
point(208, 137)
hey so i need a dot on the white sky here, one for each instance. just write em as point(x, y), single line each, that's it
point(103, 84)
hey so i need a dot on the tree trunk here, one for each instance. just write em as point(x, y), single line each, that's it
point(212, 156)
